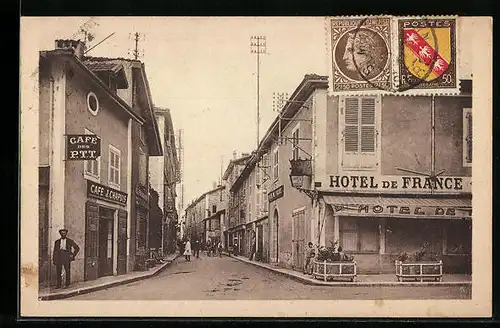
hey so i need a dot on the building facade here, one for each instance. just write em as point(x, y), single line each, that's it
point(214, 222)
point(146, 142)
point(91, 198)
point(165, 175)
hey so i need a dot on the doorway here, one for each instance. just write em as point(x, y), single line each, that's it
point(106, 232)
point(298, 240)
point(260, 242)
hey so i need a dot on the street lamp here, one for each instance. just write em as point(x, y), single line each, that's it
point(300, 169)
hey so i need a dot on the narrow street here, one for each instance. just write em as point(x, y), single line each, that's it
point(225, 278)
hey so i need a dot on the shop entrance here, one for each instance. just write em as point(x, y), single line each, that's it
point(106, 231)
point(298, 240)
point(260, 242)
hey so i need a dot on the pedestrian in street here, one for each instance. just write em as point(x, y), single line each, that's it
point(219, 248)
point(253, 250)
point(65, 251)
point(235, 248)
point(187, 251)
point(196, 248)
point(310, 254)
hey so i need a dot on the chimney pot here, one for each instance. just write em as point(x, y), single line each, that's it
point(76, 45)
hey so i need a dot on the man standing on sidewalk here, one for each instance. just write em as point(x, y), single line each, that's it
point(310, 254)
point(65, 251)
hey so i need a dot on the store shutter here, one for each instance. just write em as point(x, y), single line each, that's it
point(368, 158)
point(122, 242)
point(91, 241)
point(350, 134)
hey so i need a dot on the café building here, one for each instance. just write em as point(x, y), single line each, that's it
point(84, 164)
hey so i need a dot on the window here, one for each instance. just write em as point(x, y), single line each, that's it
point(265, 167)
point(143, 168)
point(295, 142)
point(114, 166)
point(92, 168)
point(214, 209)
point(359, 117)
point(92, 103)
point(258, 189)
point(359, 235)
point(275, 164)
point(467, 137)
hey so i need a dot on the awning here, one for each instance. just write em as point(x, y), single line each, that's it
point(416, 207)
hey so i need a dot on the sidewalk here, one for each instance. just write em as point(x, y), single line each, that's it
point(375, 280)
point(85, 287)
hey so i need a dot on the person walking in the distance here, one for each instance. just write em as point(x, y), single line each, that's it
point(65, 251)
point(196, 248)
point(187, 250)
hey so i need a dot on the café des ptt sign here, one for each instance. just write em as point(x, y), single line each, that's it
point(82, 147)
point(103, 192)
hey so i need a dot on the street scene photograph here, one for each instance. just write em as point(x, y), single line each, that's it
point(253, 158)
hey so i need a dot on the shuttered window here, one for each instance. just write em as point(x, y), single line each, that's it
point(114, 167)
point(467, 137)
point(92, 168)
point(359, 133)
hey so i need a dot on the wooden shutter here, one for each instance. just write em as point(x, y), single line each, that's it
point(359, 133)
point(91, 241)
point(122, 242)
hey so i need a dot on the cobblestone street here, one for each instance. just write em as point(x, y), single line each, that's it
point(225, 278)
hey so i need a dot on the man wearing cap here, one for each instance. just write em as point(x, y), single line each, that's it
point(65, 251)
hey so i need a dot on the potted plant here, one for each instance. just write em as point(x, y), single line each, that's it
point(422, 262)
point(330, 262)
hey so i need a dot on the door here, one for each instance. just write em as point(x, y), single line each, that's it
point(298, 240)
point(122, 242)
point(265, 248)
point(91, 241)
point(105, 242)
point(275, 246)
point(260, 242)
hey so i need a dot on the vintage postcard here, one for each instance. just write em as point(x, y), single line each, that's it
point(256, 166)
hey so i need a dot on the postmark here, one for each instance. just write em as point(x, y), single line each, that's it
point(361, 53)
point(427, 56)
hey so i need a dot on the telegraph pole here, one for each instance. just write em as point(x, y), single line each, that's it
point(258, 46)
point(135, 52)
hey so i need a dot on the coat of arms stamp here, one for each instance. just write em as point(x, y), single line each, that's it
point(361, 53)
point(427, 53)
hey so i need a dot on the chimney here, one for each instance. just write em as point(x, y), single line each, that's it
point(76, 45)
point(234, 155)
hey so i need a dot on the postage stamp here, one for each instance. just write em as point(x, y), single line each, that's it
point(361, 53)
point(427, 56)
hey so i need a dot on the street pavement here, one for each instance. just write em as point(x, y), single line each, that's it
point(225, 278)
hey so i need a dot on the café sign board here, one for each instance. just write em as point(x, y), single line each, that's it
point(276, 193)
point(103, 192)
point(400, 184)
point(82, 147)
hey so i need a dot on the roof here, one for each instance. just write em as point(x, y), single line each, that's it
point(70, 53)
point(232, 163)
point(113, 67)
point(309, 83)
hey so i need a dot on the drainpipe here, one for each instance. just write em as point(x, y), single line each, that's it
point(129, 188)
point(51, 185)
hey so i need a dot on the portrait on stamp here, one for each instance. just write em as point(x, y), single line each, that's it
point(361, 53)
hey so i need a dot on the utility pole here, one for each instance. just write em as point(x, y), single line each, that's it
point(136, 52)
point(258, 46)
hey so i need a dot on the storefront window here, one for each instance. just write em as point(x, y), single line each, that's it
point(359, 234)
point(459, 237)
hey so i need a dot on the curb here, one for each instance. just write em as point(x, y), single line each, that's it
point(90, 289)
point(310, 282)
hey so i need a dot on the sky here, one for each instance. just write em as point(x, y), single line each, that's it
point(202, 69)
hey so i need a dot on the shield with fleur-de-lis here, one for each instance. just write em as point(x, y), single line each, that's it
point(427, 52)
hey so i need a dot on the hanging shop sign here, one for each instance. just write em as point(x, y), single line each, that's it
point(103, 192)
point(276, 194)
point(82, 147)
point(402, 184)
point(398, 210)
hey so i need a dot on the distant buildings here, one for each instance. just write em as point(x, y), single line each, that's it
point(103, 200)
